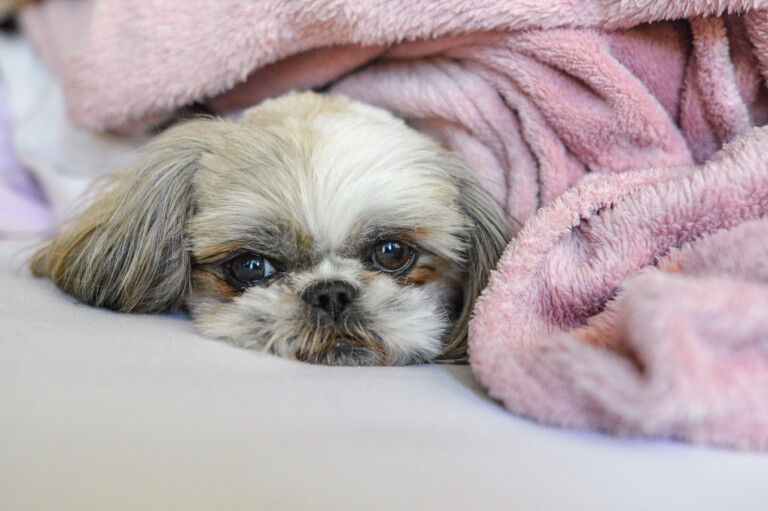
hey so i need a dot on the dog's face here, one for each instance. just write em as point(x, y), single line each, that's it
point(316, 228)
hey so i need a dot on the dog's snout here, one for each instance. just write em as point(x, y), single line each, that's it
point(331, 297)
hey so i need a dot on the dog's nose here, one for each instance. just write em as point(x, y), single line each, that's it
point(332, 297)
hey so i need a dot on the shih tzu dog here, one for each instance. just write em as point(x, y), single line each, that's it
point(315, 228)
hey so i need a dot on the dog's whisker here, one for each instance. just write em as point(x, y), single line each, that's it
point(314, 227)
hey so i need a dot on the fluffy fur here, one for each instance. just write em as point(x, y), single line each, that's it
point(312, 183)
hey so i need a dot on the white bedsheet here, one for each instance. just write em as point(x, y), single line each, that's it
point(62, 158)
point(105, 411)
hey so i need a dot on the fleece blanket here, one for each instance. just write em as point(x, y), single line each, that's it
point(632, 303)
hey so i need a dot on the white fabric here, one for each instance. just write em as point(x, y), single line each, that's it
point(22, 208)
point(63, 158)
point(101, 411)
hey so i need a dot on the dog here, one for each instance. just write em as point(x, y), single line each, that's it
point(315, 227)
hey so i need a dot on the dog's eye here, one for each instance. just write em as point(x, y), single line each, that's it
point(392, 256)
point(250, 268)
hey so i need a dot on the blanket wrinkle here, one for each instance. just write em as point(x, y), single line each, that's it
point(691, 329)
point(622, 139)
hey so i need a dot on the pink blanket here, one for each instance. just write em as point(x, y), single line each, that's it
point(634, 303)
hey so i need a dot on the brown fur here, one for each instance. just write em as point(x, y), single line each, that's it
point(206, 282)
point(426, 273)
point(156, 236)
point(486, 243)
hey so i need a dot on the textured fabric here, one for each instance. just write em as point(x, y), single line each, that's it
point(537, 97)
point(532, 111)
point(104, 411)
point(578, 328)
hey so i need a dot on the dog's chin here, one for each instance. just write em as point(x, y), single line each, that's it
point(344, 351)
point(349, 342)
point(346, 341)
point(384, 328)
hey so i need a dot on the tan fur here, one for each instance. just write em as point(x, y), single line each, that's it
point(424, 274)
point(206, 283)
point(306, 181)
point(9, 7)
point(487, 239)
point(126, 250)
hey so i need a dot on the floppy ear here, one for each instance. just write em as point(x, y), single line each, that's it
point(488, 236)
point(126, 250)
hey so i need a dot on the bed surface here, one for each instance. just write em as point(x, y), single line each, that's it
point(100, 410)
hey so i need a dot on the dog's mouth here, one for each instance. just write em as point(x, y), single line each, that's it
point(347, 342)
point(339, 352)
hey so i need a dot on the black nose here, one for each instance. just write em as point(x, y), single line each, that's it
point(332, 297)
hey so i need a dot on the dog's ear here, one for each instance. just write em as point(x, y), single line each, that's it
point(126, 250)
point(488, 235)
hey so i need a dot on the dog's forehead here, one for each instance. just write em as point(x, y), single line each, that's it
point(329, 177)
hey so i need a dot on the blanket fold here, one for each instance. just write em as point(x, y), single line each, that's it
point(624, 136)
point(579, 328)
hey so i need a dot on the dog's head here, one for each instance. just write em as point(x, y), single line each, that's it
point(315, 227)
